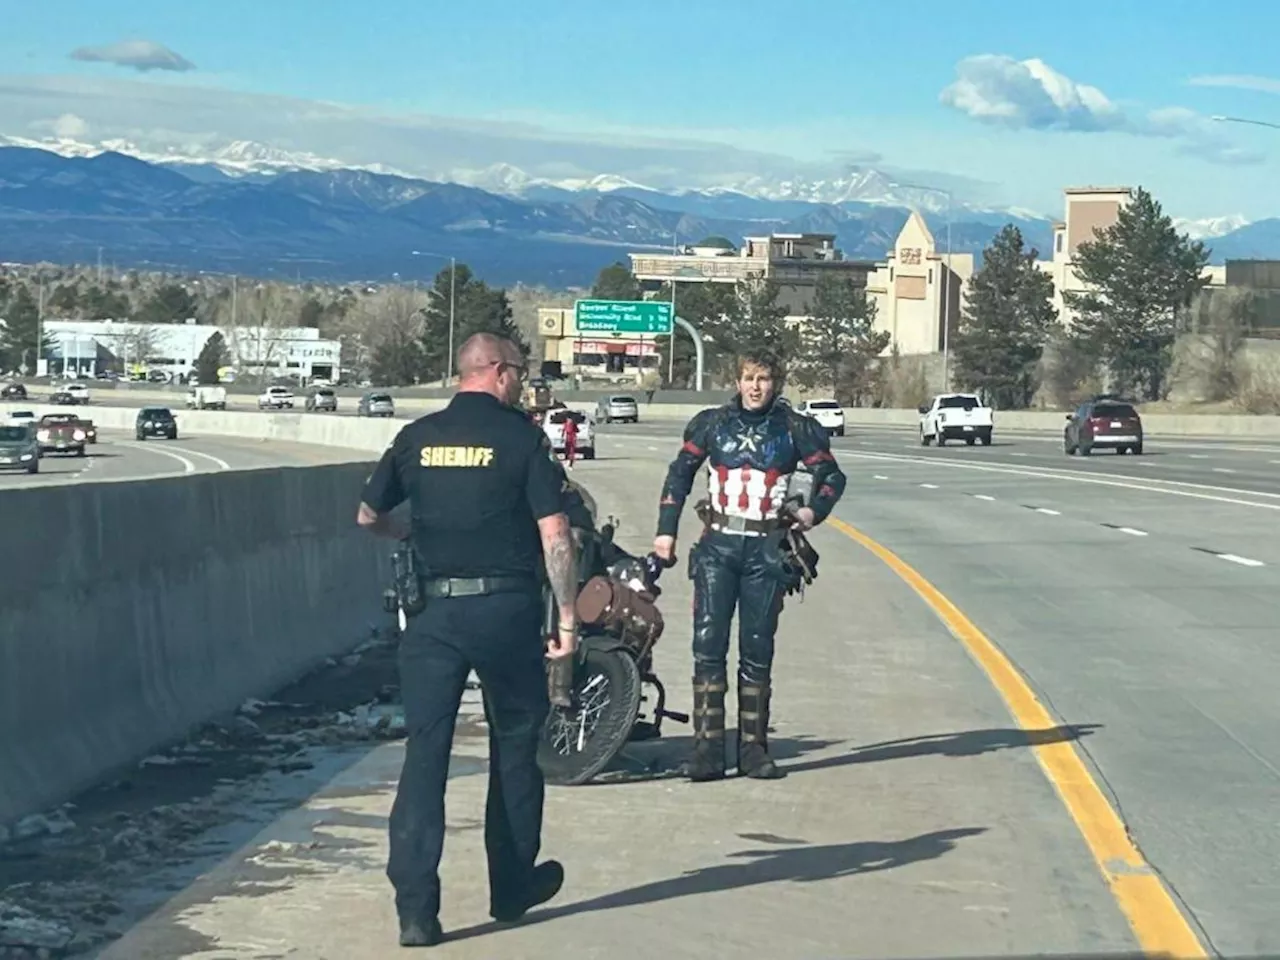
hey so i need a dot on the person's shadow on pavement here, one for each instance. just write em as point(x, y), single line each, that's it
point(802, 864)
point(970, 743)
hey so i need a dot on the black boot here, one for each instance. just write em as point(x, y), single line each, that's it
point(547, 879)
point(707, 762)
point(415, 932)
point(753, 725)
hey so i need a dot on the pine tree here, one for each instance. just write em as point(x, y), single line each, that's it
point(1138, 275)
point(752, 321)
point(18, 339)
point(839, 341)
point(1007, 321)
point(478, 308)
point(171, 303)
point(615, 282)
point(213, 357)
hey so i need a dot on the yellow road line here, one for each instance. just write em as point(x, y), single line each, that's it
point(1158, 924)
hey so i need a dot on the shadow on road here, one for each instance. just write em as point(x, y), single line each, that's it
point(749, 868)
point(661, 759)
point(970, 743)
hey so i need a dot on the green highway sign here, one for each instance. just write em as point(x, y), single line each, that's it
point(622, 316)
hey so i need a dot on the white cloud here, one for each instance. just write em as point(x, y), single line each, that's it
point(65, 127)
point(141, 55)
point(1238, 82)
point(1029, 94)
point(167, 117)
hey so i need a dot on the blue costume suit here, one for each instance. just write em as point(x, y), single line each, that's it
point(751, 457)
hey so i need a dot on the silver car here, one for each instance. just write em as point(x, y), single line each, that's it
point(618, 407)
point(376, 405)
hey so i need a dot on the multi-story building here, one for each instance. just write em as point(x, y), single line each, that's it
point(91, 347)
point(1089, 210)
point(621, 357)
point(794, 261)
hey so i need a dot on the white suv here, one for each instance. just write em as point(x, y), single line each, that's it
point(829, 413)
point(553, 426)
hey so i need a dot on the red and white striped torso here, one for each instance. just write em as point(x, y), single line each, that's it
point(746, 491)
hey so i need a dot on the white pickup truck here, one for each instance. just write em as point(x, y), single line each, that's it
point(956, 416)
point(276, 398)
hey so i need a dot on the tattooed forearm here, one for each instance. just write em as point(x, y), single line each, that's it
point(562, 565)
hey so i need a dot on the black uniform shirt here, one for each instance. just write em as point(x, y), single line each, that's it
point(478, 476)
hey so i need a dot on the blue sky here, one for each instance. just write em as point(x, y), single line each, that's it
point(1011, 105)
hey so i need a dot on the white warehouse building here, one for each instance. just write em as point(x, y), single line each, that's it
point(91, 347)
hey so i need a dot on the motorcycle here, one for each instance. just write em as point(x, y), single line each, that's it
point(598, 694)
point(599, 697)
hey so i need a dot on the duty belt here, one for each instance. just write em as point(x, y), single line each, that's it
point(438, 587)
point(724, 523)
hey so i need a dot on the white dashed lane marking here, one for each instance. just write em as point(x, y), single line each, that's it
point(1222, 470)
point(1243, 561)
point(1132, 531)
point(1048, 512)
point(1231, 557)
point(929, 486)
point(879, 476)
point(982, 496)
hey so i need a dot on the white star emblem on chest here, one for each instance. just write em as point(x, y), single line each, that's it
point(751, 442)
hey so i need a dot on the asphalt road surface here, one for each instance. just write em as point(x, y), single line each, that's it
point(919, 818)
point(914, 822)
point(1140, 594)
point(118, 456)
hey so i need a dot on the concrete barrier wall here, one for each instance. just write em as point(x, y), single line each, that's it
point(374, 434)
point(132, 611)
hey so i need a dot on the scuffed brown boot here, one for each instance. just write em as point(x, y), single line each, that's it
point(753, 725)
point(707, 762)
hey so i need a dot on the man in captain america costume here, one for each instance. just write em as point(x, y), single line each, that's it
point(752, 446)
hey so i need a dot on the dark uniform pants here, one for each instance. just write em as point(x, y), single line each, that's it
point(498, 636)
point(731, 570)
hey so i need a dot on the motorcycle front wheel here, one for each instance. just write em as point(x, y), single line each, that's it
point(578, 743)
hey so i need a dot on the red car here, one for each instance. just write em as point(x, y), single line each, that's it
point(1103, 423)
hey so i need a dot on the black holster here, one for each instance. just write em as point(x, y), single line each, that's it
point(408, 578)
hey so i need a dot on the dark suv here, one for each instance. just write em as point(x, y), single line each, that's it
point(156, 422)
point(1104, 423)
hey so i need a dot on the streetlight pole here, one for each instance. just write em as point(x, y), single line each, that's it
point(453, 272)
point(1256, 123)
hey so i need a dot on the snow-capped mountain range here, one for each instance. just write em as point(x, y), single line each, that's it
point(246, 158)
point(249, 206)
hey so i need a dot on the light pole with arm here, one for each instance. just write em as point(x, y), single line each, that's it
point(1256, 123)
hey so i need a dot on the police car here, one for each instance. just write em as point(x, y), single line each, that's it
point(553, 427)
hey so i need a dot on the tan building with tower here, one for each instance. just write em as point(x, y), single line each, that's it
point(920, 293)
point(1088, 211)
